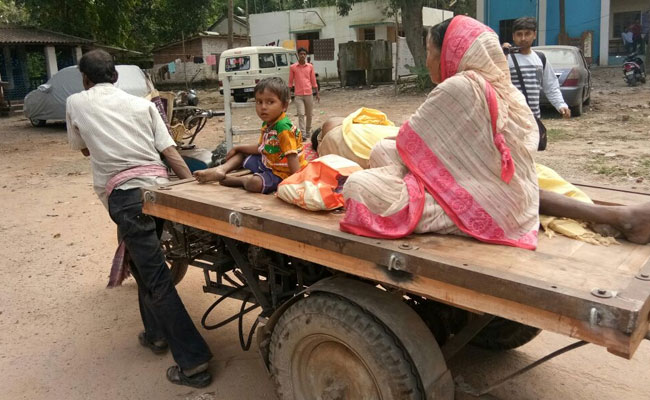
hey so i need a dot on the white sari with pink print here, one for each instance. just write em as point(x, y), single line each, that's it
point(462, 163)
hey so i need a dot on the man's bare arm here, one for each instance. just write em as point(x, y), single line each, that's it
point(176, 162)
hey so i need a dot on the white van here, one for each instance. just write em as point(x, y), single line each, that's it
point(248, 65)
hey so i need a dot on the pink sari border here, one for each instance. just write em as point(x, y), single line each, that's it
point(359, 220)
point(507, 165)
point(458, 203)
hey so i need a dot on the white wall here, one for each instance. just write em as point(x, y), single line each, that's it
point(283, 25)
point(405, 57)
point(434, 16)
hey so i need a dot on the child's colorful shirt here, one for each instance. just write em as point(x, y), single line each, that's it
point(279, 140)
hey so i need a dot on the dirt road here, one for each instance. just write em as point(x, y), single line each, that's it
point(64, 336)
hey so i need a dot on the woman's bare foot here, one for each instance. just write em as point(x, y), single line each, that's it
point(210, 175)
point(634, 223)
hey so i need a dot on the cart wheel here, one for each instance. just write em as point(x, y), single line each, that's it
point(178, 268)
point(504, 334)
point(38, 123)
point(172, 242)
point(325, 347)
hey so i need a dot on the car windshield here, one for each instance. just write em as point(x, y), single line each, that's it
point(560, 56)
point(242, 63)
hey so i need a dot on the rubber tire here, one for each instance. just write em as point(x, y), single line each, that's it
point(177, 267)
point(37, 123)
point(576, 111)
point(504, 334)
point(347, 324)
point(240, 99)
point(178, 270)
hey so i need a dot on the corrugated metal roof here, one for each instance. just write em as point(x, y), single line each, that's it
point(198, 35)
point(12, 34)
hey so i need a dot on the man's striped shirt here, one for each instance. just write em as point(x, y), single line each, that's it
point(536, 78)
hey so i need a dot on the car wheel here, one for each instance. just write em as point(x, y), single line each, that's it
point(37, 122)
point(576, 110)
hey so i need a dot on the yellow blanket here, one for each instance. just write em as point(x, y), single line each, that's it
point(551, 181)
point(364, 128)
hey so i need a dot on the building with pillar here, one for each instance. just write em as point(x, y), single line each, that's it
point(29, 56)
point(594, 25)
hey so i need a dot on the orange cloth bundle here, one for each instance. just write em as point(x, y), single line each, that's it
point(318, 185)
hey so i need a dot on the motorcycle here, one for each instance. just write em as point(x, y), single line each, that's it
point(633, 69)
point(187, 121)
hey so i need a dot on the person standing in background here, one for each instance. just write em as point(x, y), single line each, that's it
point(628, 40)
point(537, 75)
point(303, 79)
point(635, 28)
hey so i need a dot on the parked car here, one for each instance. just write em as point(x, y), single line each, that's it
point(249, 65)
point(573, 74)
point(47, 102)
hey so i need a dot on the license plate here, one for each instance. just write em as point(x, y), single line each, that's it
point(249, 89)
point(629, 72)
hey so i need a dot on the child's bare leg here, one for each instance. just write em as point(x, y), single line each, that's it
point(251, 183)
point(233, 181)
point(218, 174)
point(632, 221)
point(254, 184)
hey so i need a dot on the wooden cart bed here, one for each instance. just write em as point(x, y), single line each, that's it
point(594, 293)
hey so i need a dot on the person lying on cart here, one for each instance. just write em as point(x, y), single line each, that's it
point(279, 152)
point(124, 136)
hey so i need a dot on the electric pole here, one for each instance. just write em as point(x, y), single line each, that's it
point(230, 23)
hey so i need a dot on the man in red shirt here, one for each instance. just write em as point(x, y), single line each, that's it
point(303, 79)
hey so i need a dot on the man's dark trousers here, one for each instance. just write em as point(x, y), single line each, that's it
point(162, 311)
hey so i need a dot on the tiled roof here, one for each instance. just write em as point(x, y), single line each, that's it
point(12, 34)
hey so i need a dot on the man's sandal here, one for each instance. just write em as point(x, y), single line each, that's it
point(198, 380)
point(157, 347)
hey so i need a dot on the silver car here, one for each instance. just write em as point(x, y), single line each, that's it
point(47, 102)
point(573, 74)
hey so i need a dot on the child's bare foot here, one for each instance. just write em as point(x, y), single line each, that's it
point(635, 223)
point(210, 175)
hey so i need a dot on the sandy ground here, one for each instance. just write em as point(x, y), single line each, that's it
point(64, 336)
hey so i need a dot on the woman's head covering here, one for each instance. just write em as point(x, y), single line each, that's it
point(469, 45)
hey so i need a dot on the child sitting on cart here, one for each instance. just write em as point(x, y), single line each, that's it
point(279, 152)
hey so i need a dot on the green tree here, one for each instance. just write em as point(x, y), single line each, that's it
point(12, 13)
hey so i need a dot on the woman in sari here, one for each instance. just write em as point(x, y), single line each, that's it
point(462, 164)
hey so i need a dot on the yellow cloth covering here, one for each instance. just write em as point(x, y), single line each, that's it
point(551, 181)
point(364, 128)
